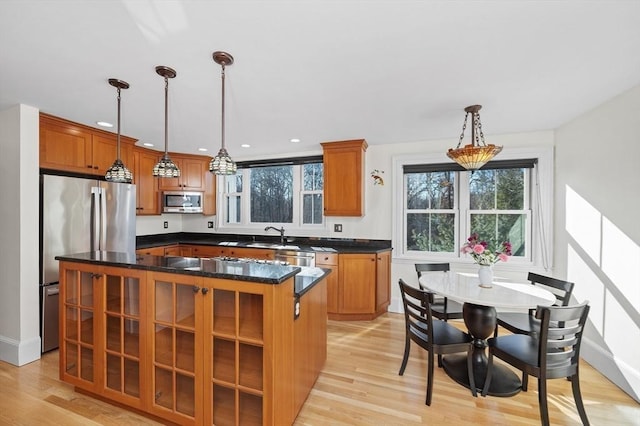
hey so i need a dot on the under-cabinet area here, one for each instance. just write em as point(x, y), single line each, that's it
point(192, 349)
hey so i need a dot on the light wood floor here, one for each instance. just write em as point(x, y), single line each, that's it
point(358, 386)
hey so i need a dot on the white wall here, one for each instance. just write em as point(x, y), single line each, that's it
point(597, 233)
point(19, 291)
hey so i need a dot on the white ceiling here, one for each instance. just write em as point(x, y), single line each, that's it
point(388, 71)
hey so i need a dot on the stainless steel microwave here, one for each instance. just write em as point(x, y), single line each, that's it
point(182, 202)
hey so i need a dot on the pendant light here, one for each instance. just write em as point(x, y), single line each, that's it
point(166, 168)
point(118, 172)
point(476, 154)
point(222, 164)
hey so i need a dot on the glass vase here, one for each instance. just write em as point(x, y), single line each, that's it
point(485, 274)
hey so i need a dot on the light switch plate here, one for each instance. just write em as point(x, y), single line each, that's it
point(337, 227)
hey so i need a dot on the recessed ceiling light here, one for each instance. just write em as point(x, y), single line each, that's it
point(295, 140)
point(104, 124)
point(245, 145)
point(202, 149)
point(147, 144)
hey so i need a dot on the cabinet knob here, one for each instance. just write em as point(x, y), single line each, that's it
point(89, 166)
point(205, 290)
point(196, 289)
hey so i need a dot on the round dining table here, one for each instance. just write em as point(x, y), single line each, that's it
point(479, 314)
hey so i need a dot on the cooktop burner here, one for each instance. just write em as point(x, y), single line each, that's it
point(251, 260)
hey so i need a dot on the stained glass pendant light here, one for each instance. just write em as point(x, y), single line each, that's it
point(166, 168)
point(118, 172)
point(222, 164)
point(476, 154)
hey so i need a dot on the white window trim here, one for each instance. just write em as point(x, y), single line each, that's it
point(297, 227)
point(541, 175)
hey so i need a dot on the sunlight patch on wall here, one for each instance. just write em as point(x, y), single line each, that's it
point(583, 223)
point(157, 19)
point(620, 337)
point(621, 261)
point(587, 287)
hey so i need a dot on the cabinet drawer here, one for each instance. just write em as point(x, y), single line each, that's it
point(326, 258)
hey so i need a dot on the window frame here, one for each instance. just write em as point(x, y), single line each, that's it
point(540, 192)
point(245, 202)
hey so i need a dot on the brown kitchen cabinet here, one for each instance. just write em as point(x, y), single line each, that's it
point(102, 346)
point(190, 349)
point(153, 251)
point(73, 147)
point(343, 164)
point(192, 174)
point(357, 283)
point(147, 198)
point(363, 287)
point(330, 261)
point(178, 250)
point(207, 251)
point(383, 281)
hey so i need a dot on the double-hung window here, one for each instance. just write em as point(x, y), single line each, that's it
point(282, 192)
point(442, 204)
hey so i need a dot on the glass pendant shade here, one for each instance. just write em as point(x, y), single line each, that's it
point(473, 157)
point(166, 168)
point(118, 172)
point(222, 164)
point(476, 154)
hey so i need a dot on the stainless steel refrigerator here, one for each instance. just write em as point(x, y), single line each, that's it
point(79, 215)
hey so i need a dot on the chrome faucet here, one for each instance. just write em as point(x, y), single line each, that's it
point(281, 231)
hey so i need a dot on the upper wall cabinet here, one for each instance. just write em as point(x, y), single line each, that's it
point(147, 199)
point(73, 147)
point(192, 173)
point(344, 177)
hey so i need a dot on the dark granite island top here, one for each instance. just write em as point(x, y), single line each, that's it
point(305, 277)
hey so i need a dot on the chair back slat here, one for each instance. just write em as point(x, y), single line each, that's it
point(431, 267)
point(416, 311)
point(561, 289)
point(560, 335)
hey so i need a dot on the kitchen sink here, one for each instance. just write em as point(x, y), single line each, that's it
point(273, 246)
point(183, 262)
point(261, 245)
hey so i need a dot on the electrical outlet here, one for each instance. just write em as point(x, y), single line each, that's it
point(210, 224)
point(166, 224)
point(337, 227)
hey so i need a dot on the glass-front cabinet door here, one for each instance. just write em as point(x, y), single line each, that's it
point(123, 337)
point(176, 311)
point(77, 346)
point(234, 339)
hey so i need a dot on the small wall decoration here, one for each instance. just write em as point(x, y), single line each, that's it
point(377, 178)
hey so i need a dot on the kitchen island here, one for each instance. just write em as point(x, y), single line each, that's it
point(193, 341)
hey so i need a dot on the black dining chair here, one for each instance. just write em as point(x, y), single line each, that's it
point(441, 307)
point(551, 354)
point(435, 336)
point(526, 323)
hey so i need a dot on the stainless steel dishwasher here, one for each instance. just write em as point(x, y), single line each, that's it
point(296, 257)
point(49, 318)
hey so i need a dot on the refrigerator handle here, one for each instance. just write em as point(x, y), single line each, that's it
point(103, 219)
point(94, 221)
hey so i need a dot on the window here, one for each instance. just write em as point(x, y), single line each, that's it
point(275, 192)
point(441, 204)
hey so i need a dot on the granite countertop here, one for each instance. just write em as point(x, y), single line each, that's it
point(305, 277)
point(307, 244)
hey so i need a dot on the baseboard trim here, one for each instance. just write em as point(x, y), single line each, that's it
point(19, 352)
point(619, 372)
